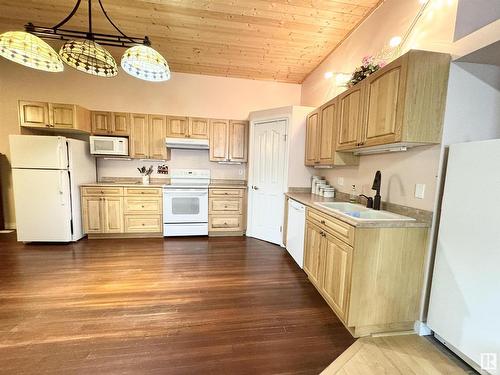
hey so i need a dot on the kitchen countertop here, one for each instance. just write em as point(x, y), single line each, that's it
point(228, 184)
point(309, 199)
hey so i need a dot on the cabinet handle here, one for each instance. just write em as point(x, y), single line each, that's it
point(143, 224)
point(102, 192)
point(322, 222)
point(142, 206)
point(225, 206)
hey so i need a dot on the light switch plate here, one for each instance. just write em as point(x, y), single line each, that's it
point(340, 181)
point(419, 191)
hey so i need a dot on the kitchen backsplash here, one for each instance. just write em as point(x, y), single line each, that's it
point(196, 159)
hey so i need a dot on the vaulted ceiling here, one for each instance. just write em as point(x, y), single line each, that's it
point(282, 40)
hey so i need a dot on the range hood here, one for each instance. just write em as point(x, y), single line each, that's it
point(187, 143)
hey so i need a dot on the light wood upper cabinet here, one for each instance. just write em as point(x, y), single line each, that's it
point(198, 128)
point(337, 276)
point(111, 123)
point(321, 134)
point(349, 117)
point(33, 114)
point(139, 136)
point(120, 123)
point(312, 126)
point(177, 127)
point(101, 122)
point(54, 116)
point(402, 103)
point(62, 115)
point(219, 133)
point(238, 141)
point(312, 252)
point(158, 133)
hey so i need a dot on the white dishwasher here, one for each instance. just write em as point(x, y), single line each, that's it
point(295, 231)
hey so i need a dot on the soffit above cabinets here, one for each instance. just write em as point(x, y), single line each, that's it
point(281, 40)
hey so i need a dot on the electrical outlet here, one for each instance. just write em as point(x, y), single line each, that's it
point(340, 181)
point(419, 191)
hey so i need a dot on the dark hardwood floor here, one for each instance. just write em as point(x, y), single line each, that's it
point(148, 306)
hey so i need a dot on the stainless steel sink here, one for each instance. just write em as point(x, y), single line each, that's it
point(360, 213)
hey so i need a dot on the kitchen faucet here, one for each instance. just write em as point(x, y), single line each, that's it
point(375, 201)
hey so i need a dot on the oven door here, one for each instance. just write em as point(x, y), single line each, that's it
point(185, 205)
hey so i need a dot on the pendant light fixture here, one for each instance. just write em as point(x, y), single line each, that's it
point(83, 50)
point(29, 50)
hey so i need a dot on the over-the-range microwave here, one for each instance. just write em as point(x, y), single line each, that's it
point(108, 145)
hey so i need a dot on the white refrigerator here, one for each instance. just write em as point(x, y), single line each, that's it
point(47, 172)
point(464, 309)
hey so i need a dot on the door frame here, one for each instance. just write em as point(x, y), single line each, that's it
point(251, 149)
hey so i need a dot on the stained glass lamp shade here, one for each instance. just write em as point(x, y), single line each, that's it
point(89, 57)
point(145, 63)
point(29, 50)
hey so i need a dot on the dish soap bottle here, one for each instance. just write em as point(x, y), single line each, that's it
point(353, 198)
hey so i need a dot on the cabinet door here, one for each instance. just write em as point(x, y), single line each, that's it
point(384, 105)
point(157, 134)
point(350, 116)
point(312, 253)
point(33, 114)
point(92, 215)
point(139, 136)
point(312, 124)
point(336, 283)
point(198, 128)
point(177, 127)
point(238, 141)
point(120, 123)
point(62, 115)
point(219, 130)
point(327, 133)
point(112, 213)
point(101, 122)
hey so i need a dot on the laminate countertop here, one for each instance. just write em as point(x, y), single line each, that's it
point(310, 200)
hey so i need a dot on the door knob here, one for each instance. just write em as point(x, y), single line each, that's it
point(255, 187)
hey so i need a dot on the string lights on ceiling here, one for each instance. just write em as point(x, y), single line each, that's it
point(83, 50)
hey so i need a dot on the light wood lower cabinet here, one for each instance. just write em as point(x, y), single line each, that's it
point(122, 211)
point(226, 211)
point(371, 277)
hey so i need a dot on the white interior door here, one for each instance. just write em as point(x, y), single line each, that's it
point(267, 181)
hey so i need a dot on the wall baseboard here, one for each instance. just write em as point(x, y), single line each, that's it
point(10, 226)
point(422, 329)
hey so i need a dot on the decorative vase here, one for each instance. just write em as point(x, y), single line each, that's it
point(145, 180)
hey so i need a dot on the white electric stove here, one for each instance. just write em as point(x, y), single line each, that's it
point(185, 203)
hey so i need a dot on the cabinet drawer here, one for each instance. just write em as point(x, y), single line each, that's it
point(338, 228)
point(102, 190)
point(222, 205)
point(143, 191)
point(226, 192)
point(223, 223)
point(143, 205)
point(143, 223)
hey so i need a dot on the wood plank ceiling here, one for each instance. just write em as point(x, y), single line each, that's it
point(282, 40)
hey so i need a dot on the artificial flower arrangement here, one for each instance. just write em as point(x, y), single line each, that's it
point(369, 66)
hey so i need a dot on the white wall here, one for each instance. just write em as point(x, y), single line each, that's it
point(184, 94)
point(400, 171)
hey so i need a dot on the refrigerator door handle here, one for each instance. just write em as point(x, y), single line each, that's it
point(61, 188)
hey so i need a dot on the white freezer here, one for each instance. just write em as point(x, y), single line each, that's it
point(38, 152)
point(464, 308)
